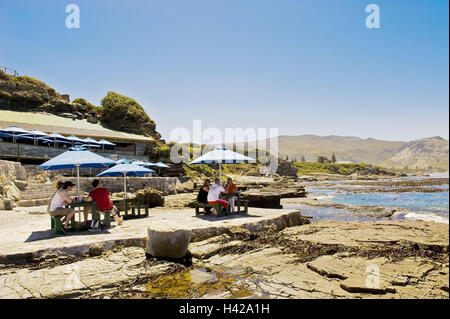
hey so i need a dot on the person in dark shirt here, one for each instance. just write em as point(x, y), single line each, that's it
point(101, 197)
point(202, 196)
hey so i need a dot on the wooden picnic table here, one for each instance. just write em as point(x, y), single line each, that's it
point(221, 212)
point(94, 211)
point(239, 202)
point(135, 212)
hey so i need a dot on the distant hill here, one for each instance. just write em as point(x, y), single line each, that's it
point(421, 153)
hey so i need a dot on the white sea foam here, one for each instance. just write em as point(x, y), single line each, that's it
point(429, 217)
point(326, 198)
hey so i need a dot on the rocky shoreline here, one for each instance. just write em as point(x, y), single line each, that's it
point(276, 258)
point(324, 259)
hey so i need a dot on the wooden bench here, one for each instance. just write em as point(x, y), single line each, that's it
point(218, 207)
point(238, 203)
point(136, 210)
point(242, 203)
point(56, 224)
point(242, 207)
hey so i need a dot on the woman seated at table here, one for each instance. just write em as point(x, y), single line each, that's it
point(60, 199)
point(101, 197)
point(231, 189)
point(202, 196)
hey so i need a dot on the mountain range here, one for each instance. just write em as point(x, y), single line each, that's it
point(426, 153)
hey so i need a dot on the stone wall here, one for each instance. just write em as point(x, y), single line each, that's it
point(13, 178)
point(167, 185)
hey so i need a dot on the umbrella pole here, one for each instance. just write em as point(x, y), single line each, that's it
point(78, 189)
point(125, 192)
point(124, 185)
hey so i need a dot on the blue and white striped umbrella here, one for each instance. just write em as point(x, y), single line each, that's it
point(14, 130)
point(126, 170)
point(58, 138)
point(77, 157)
point(105, 142)
point(75, 139)
point(161, 165)
point(142, 163)
point(221, 155)
point(123, 161)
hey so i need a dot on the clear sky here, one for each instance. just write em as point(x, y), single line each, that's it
point(304, 67)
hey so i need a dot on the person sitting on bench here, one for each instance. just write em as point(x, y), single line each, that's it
point(214, 194)
point(101, 197)
point(60, 199)
point(202, 196)
point(231, 189)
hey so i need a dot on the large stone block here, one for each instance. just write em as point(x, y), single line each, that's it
point(8, 204)
point(167, 242)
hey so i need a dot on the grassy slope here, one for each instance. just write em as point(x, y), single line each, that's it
point(351, 149)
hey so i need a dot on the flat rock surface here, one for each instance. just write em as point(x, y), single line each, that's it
point(339, 260)
point(358, 233)
point(25, 233)
point(319, 260)
point(80, 278)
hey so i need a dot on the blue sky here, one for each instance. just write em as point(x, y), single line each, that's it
point(304, 67)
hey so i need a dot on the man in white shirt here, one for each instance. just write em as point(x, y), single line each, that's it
point(214, 194)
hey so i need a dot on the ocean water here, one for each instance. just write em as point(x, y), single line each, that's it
point(408, 205)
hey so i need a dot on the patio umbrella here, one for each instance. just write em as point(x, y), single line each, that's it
point(123, 161)
point(75, 139)
point(126, 170)
point(142, 163)
point(90, 140)
point(161, 165)
point(104, 143)
point(77, 157)
point(36, 135)
point(91, 145)
point(14, 130)
point(56, 136)
point(35, 139)
point(221, 155)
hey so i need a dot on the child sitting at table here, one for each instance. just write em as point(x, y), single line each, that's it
point(101, 197)
point(231, 189)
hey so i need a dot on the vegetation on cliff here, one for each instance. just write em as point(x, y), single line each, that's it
point(124, 113)
point(117, 111)
point(305, 168)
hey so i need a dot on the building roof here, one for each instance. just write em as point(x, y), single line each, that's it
point(50, 123)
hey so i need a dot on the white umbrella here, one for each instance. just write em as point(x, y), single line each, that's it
point(161, 165)
point(221, 155)
point(75, 139)
point(14, 130)
point(90, 140)
point(36, 135)
point(126, 170)
point(103, 142)
point(56, 136)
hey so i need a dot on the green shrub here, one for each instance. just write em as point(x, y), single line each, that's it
point(122, 111)
point(88, 107)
